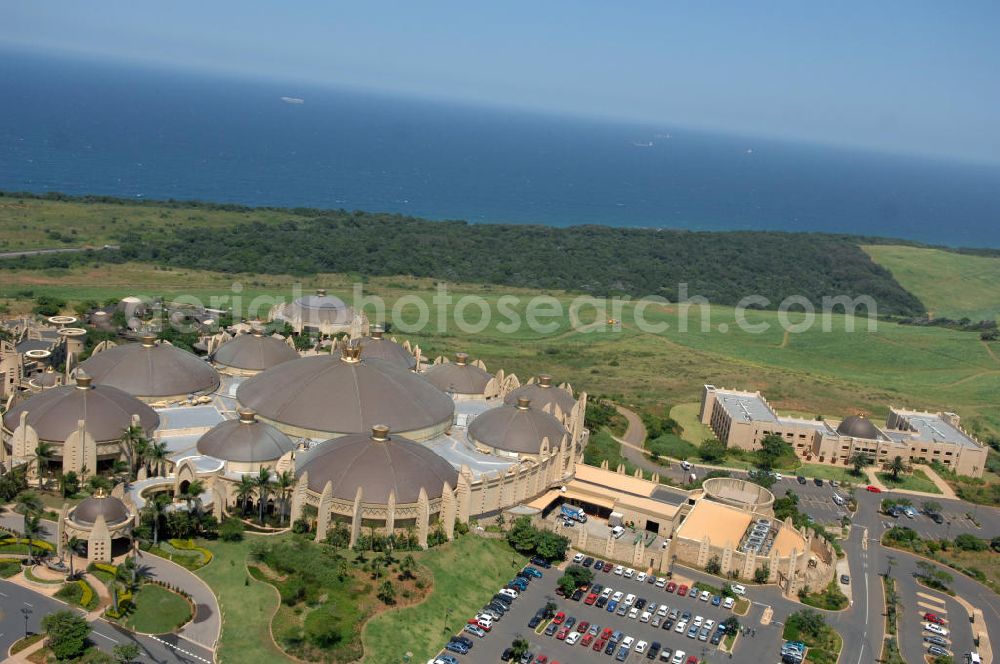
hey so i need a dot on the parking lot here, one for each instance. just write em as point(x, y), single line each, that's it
point(540, 591)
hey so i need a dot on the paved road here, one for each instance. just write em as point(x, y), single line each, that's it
point(62, 250)
point(164, 650)
point(206, 626)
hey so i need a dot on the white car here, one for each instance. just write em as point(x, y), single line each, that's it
point(937, 629)
point(645, 616)
point(628, 641)
point(629, 599)
point(619, 569)
point(641, 577)
point(705, 595)
point(629, 573)
point(509, 592)
point(617, 597)
point(662, 611)
point(578, 558)
point(633, 613)
point(740, 590)
point(778, 477)
point(678, 657)
point(484, 621)
point(698, 620)
point(728, 603)
point(661, 582)
point(573, 637)
point(607, 592)
point(641, 647)
point(709, 623)
point(681, 627)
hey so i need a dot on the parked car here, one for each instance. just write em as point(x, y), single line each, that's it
point(739, 589)
point(845, 579)
point(578, 558)
point(937, 651)
point(678, 657)
point(728, 603)
point(800, 479)
point(936, 640)
point(559, 618)
point(608, 566)
point(641, 577)
point(590, 599)
point(682, 590)
point(619, 570)
point(507, 655)
point(551, 629)
point(541, 562)
point(612, 606)
point(654, 650)
point(531, 571)
point(572, 638)
point(705, 595)
point(588, 561)
point(661, 582)
point(671, 587)
point(935, 628)
point(445, 659)
point(818, 481)
point(935, 618)
point(716, 600)
point(873, 489)
point(462, 649)
point(475, 630)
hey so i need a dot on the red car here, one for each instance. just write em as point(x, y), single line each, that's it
point(486, 627)
point(682, 591)
point(600, 645)
point(583, 627)
point(935, 618)
point(874, 489)
point(591, 598)
point(608, 567)
point(606, 634)
point(560, 618)
point(562, 634)
point(692, 659)
point(587, 640)
point(671, 587)
point(542, 659)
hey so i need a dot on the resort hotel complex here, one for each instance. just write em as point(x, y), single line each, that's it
point(742, 419)
point(379, 438)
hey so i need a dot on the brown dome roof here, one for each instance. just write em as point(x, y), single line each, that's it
point(254, 352)
point(86, 512)
point(149, 369)
point(858, 426)
point(107, 411)
point(245, 440)
point(458, 377)
point(340, 395)
point(542, 394)
point(519, 428)
point(47, 378)
point(377, 347)
point(315, 310)
point(378, 463)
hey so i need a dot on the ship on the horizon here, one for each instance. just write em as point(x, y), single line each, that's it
point(293, 100)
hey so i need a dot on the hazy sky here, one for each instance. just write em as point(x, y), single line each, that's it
point(904, 76)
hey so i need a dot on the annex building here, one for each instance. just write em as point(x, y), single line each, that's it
point(741, 419)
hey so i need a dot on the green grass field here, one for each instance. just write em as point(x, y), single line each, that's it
point(824, 472)
point(157, 610)
point(686, 414)
point(466, 573)
point(247, 605)
point(950, 285)
point(916, 481)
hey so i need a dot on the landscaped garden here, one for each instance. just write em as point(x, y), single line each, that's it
point(822, 641)
point(830, 598)
point(914, 481)
point(971, 555)
point(156, 610)
point(79, 593)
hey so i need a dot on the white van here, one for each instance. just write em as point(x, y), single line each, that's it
point(837, 498)
point(617, 532)
point(685, 465)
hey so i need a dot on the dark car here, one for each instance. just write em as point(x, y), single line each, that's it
point(596, 588)
point(588, 561)
point(535, 621)
point(936, 640)
point(654, 650)
point(570, 621)
point(818, 481)
point(541, 562)
point(507, 655)
point(531, 571)
point(464, 640)
point(936, 518)
point(668, 624)
point(845, 579)
point(456, 647)
point(650, 579)
point(598, 564)
point(800, 479)
point(716, 637)
point(601, 602)
point(610, 650)
point(551, 629)
point(577, 595)
point(639, 603)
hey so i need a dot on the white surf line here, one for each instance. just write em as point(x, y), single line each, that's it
point(180, 650)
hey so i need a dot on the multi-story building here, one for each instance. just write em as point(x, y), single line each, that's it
point(742, 419)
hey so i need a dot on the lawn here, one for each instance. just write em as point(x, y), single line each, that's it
point(822, 649)
point(466, 573)
point(157, 610)
point(673, 446)
point(825, 472)
point(915, 481)
point(686, 415)
point(949, 284)
point(247, 605)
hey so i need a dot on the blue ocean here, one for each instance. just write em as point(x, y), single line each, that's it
point(90, 127)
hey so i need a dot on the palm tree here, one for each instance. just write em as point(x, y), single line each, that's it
point(156, 509)
point(30, 505)
point(263, 484)
point(133, 443)
point(284, 482)
point(896, 466)
point(859, 461)
point(44, 453)
point(71, 545)
point(244, 491)
point(155, 455)
point(192, 494)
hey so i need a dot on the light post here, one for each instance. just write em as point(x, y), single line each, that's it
point(25, 611)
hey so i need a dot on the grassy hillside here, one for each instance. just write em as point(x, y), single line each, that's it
point(834, 373)
point(950, 284)
point(723, 267)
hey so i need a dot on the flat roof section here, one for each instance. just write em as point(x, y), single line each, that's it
point(744, 407)
point(188, 417)
point(723, 525)
point(668, 496)
point(612, 480)
point(787, 540)
point(933, 428)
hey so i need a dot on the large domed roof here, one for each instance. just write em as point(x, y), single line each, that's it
point(341, 395)
point(858, 426)
point(254, 352)
point(377, 347)
point(542, 394)
point(245, 440)
point(107, 411)
point(378, 463)
point(458, 377)
point(149, 369)
point(319, 309)
point(113, 510)
point(519, 428)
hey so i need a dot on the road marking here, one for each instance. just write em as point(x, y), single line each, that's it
point(29, 604)
point(105, 636)
point(180, 650)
